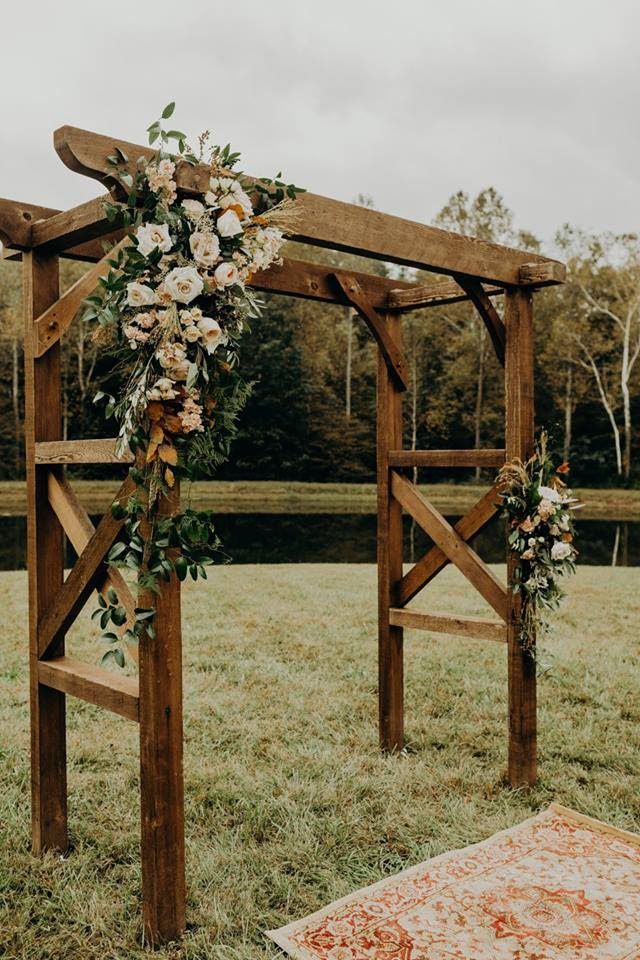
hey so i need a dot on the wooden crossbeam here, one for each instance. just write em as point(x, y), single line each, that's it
point(79, 529)
point(391, 352)
point(435, 559)
point(80, 451)
point(95, 685)
point(85, 576)
point(446, 458)
point(478, 627)
point(488, 313)
point(433, 294)
point(451, 543)
point(322, 221)
point(57, 318)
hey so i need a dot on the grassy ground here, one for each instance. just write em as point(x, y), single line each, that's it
point(267, 496)
point(289, 803)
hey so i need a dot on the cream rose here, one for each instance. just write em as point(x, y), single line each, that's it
point(193, 208)
point(184, 284)
point(228, 225)
point(139, 295)
point(226, 274)
point(212, 334)
point(205, 248)
point(152, 235)
point(162, 390)
point(560, 550)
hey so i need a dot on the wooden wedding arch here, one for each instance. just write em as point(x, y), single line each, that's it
point(475, 270)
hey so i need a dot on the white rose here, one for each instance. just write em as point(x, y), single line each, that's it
point(184, 284)
point(228, 225)
point(139, 295)
point(239, 199)
point(561, 550)
point(152, 235)
point(205, 248)
point(212, 334)
point(226, 274)
point(191, 334)
point(193, 208)
point(549, 493)
point(211, 199)
point(546, 508)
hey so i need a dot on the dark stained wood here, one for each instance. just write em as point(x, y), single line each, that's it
point(389, 546)
point(488, 313)
point(390, 350)
point(113, 691)
point(45, 560)
point(446, 458)
point(324, 222)
point(477, 627)
point(80, 451)
point(451, 543)
point(435, 559)
point(519, 437)
point(161, 778)
point(87, 573)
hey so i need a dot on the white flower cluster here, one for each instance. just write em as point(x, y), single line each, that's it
point(553, 506)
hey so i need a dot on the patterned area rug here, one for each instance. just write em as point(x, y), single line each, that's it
point(557, 886)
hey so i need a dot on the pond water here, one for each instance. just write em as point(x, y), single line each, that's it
point(351, 538)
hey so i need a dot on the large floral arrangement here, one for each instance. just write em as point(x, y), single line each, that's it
point(538, 506)
point(172, 310)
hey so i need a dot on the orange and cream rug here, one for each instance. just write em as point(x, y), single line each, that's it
point(555, 887)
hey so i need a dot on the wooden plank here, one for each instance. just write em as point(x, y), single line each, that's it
point(324, 222)
point(446, 458)
point(161, 777)
point(519, 401)
point(451, 543)
point(16, 222)
point(389, 555)
point(57, 318)
point(112, 691)
point(87, 573)
point(488, 313)
point(476, 627)
point(80, 451)
point(314, 281)
point(45, 561)
point(435, 559)
point(79, 529)
point(543, 273)
point(433, 294)
point(390, 350)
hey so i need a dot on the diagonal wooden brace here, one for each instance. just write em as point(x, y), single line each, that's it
point(451, 543)
point(490, 316)
point(393, 356)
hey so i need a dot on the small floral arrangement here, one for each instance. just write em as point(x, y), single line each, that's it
point(538, 506)
point(172, 311)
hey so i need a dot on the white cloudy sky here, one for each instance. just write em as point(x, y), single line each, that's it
point(406, 100)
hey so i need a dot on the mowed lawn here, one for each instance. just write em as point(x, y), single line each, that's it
point(289, 802)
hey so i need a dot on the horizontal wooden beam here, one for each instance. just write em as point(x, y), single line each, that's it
point(432, 294)
point(446, 458)
point(451, 543)
point(477, 627)
point(322, 221)
point(543, 273)
point(114, 692)
point(79, 451)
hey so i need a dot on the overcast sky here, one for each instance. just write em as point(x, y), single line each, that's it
point(404, 100)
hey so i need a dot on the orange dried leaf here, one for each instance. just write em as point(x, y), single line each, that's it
point(157, 434)
point(168, 453)
point(155, 410)
point(169, 477)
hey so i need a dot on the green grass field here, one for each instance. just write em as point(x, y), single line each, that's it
point(289, 803)
point(270, 496)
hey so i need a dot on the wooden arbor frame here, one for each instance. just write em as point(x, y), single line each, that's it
point(477, 271)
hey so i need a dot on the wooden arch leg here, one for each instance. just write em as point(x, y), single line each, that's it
point(519, 443)
point(390, 638)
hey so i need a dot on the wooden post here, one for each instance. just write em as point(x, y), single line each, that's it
point(390, 638)
point(161, 778)
point(45, 560)
point(519, 443)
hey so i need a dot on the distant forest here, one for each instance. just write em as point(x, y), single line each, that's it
point(311, 415)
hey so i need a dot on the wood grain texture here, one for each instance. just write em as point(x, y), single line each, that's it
point(161, 777)
point(543, 273)
point(446, 458)
point(423, 572)
point(325, 222)
point(519, 442)
point(45, 561)
point(114, 692)
point(389, 551)
point(488, 314)
point(420, 295)
point(451, 543)
point(476, 627)
point(80, 451)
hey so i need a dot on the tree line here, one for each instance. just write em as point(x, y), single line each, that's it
point(311, 415)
